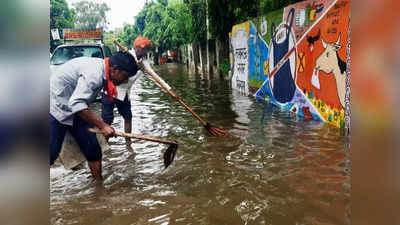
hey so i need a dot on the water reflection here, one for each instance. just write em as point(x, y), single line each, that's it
point(274, 168)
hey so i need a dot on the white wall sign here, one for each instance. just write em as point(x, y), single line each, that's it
point(241, 61)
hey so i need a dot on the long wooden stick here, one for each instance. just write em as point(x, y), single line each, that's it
point(162, 84)
point(169, 154)
point(212, 130)
point(122, 134)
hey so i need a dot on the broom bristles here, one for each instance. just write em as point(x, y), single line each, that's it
point(215, 131)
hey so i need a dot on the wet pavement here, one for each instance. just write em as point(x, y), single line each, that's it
point(274, 168)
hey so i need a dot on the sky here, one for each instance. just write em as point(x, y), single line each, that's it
point(121, 11)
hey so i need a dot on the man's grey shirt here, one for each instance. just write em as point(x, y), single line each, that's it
point(74, 85)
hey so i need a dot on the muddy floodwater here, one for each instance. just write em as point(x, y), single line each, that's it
point(274, 169)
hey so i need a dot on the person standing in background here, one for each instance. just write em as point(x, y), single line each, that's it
point(141, 46)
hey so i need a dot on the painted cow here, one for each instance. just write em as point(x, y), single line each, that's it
point(330, 63)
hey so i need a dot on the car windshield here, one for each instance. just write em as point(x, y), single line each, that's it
point(63, 54)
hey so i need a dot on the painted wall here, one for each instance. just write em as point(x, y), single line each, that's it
point(297, 58)
point(240, 56)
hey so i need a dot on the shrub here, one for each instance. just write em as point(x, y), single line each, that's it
point(224, 67)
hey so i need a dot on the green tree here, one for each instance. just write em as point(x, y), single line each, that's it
point(267, 6)
point(223, 14)
point(108, 39)
point(178, 27)
point(60, 17)
point(91, 14)
point(168, 25)
point(198, 12)
point(127, 34)
point(163, 2)
point(154, 28)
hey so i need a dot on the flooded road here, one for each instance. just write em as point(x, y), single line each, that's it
point(273, 169)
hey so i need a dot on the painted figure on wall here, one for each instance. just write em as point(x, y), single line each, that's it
point(282, 82)
point(299, 65)
point(330, 63)
point(312, 39)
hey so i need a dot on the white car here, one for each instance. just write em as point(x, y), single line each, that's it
point(63, 53)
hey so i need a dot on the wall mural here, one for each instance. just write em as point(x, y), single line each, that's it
point(297, 58)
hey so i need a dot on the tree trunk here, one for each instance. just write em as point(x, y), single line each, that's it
point(193, 58)
point(211, 59)
point(182, 55)
point(214, 68)
point(201, 67)
point(207, 70)
point(222, 52)
point(189, 57)
point(155, 58)
point(217, 54)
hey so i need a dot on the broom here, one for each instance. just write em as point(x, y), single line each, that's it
point(212, 130)
point(169, 154)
